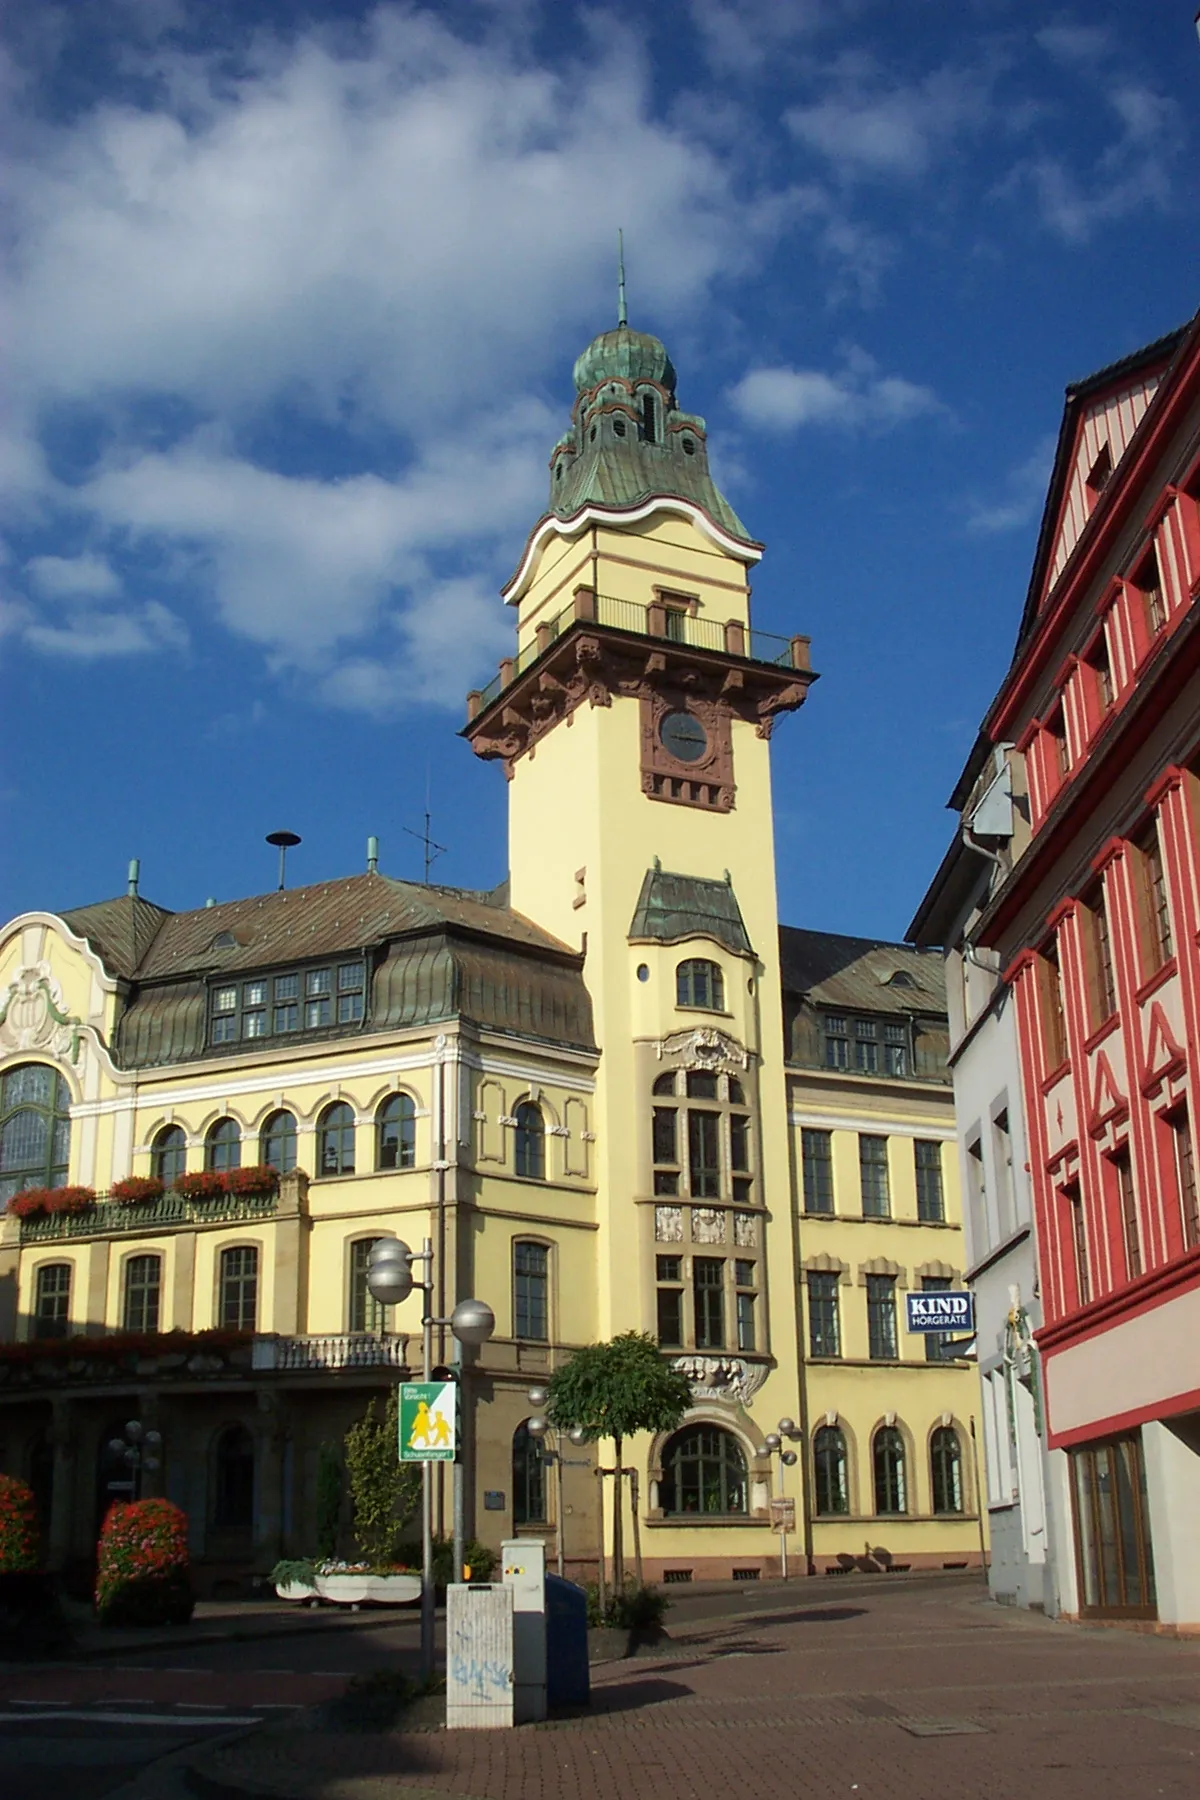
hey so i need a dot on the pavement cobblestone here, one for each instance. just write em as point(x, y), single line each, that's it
point(900, 1695)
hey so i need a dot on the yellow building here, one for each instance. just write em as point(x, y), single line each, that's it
point(577, 1087)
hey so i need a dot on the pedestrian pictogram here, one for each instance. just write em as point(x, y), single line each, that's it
point(428, 1421)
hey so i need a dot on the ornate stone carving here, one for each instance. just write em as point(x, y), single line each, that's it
point(708, 1225)
point(590, 665)
point(706, 1048)
point(722, 1377)
point(745, 1230)
point(32, 1016)
point(668, 1224)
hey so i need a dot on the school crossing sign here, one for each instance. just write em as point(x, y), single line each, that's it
point(428, 1421)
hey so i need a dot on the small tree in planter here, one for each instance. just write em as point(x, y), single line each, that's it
point(142, 1575)
point(384, 1490)
point(614, 1390)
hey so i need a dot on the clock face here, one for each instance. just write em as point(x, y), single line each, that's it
point(683, 736)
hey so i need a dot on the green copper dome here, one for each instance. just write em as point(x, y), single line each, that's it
point(626, 354)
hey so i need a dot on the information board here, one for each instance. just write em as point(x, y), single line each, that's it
point(952, 1312)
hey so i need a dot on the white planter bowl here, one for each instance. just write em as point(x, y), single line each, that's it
point(296, 1591)
point(369, 1590)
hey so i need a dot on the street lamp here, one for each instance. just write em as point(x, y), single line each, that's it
point(139, 1449)
point(773, 1445)
point(390, 1280)
point(538, 1429)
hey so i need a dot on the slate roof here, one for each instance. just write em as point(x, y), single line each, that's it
point(833, 971)
point(671, 907)
point(435, 953)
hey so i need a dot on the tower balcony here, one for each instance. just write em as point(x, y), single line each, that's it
point(643, 619)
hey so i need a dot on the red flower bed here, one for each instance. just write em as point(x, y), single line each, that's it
point(18, 1527)
point(120, 1345)
point(135, 1189)
point(142, 1575)
point(32, 1203)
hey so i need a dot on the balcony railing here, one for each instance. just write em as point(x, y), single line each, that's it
point(341, 1350)
point(112, 1217)
point(645, 619)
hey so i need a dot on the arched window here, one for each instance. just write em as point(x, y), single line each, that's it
point(830, 1469)
point(528, 1478)
point(143, 1292)
point(223, 1145)
point(335, 1140)
point(35, 1129)
point(396, 1133)
point(168, 1155)
point(704, 1471)
point(239, 1288)
point(649, 420)
point(891, 1495)
point(531, 1142)
point(52, 1300)
point(277, 1144)
point(233, 1480)
point(945, 1463)
point(531, 1291)
point(366, 1314)
point(700, 983)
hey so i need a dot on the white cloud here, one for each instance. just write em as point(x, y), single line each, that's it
point(1018, 498)
point(865, 127)
point(858, 397)
point(88, 633)
point(64, 577)
point(366, 240)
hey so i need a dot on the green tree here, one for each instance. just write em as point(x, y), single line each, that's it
point(384, 1489)
point(614, 1390)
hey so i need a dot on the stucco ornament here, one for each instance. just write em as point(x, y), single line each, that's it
point(32, 1016)
point(706, 1048)
point(721, 1377)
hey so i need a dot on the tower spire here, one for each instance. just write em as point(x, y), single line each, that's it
point(622, 311)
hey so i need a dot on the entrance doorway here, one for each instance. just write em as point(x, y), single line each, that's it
point(1112, 1532)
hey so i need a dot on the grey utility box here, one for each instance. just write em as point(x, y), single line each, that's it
point(523, 1566)
point(479, 1656)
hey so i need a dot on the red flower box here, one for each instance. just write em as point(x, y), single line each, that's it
point(136, 1189)
point(260, 1178)
point(33, 1203)
point(202, 1184)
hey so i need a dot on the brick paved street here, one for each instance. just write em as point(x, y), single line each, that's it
point(895, 1692)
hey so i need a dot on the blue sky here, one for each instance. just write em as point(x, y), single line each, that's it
point(295, 291)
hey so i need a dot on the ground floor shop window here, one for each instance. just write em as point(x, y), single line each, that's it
point(1112, 1529)
point(704, 1471)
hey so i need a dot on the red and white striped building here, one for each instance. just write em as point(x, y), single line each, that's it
point(1094, 914)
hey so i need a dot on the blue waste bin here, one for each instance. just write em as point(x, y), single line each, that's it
point(568, 1678)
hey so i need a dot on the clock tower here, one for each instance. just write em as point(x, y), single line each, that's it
point(633, 721)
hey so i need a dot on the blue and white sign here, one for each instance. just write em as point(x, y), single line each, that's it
point(941, 1312)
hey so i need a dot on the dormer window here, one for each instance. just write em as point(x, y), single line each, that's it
point(224, 940)
point(689, 446)
point(298, 1000)
point(618, 428)
point(649, 419)
point(1098, 474)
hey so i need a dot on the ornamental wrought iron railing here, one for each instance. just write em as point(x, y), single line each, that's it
point(645, 619)
point(117, 1217)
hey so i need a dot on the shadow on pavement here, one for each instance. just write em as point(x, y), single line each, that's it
point(627, 1696)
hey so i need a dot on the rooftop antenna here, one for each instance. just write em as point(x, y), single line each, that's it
point(432, 850)
point(284, 841)
point(622, 309)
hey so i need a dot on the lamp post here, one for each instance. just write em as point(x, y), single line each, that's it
point(539, 1429)
point(140, 1450)
point(773, 1445)
point(390, 1281)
